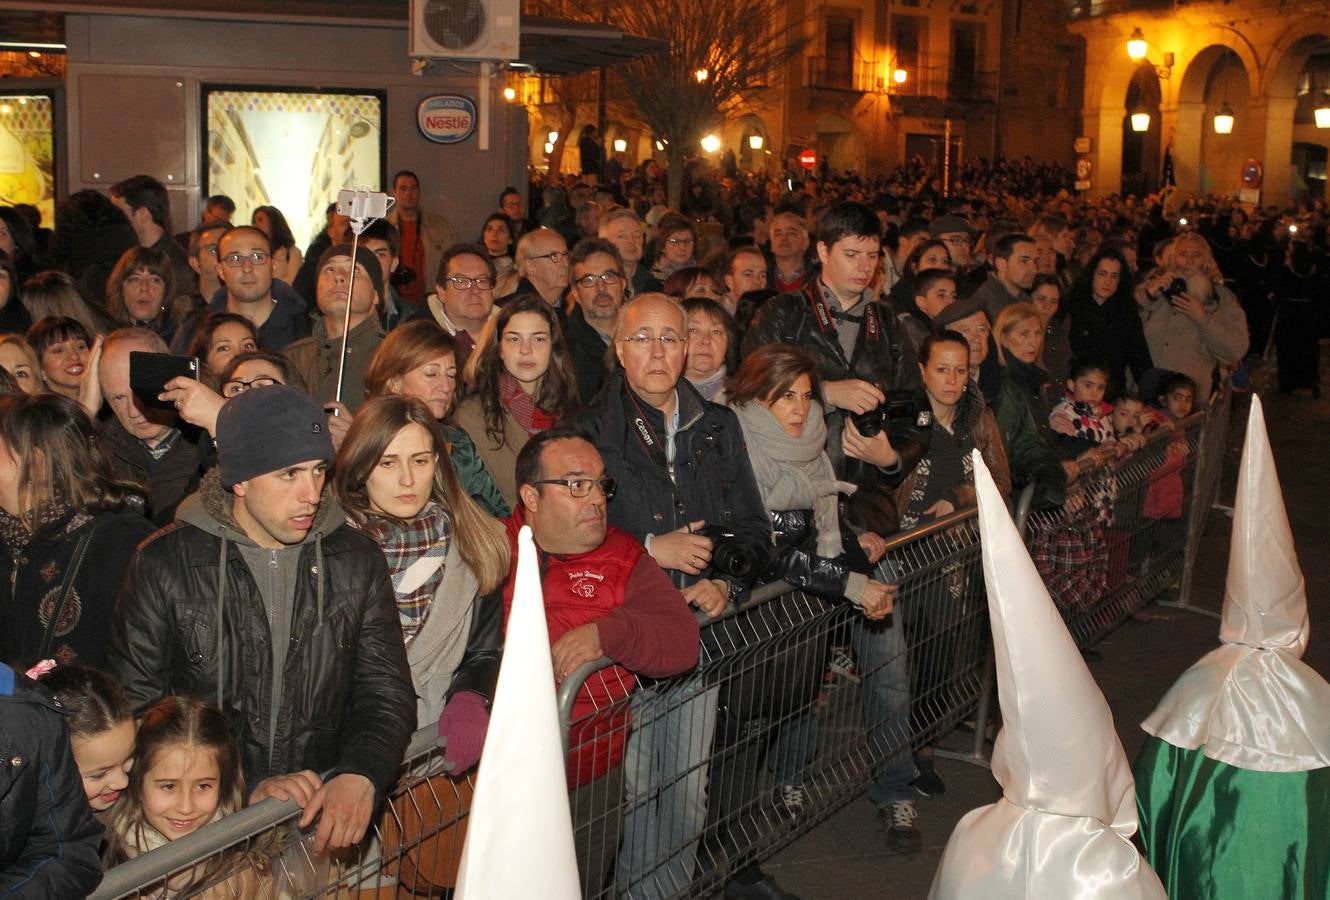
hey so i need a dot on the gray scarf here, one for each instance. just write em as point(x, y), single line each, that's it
point(795, 473)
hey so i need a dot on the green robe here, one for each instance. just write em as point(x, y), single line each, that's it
point(1217, 832)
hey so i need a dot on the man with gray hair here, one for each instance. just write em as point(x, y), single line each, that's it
point(622, 228)
point(542, 261)
point(143, 440)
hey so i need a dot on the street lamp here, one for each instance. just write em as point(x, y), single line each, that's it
point(701, 75)
point(1140, 119)
point(1136, 47)
point(510, 93)
point(1224, 120)
point(620, 145)
point(899, 76)
point(1322, 111)
point(755, 142)
point(553, 137)
point(710, 143)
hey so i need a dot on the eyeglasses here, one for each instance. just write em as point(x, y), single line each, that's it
point(644, 341)
point(463, 283)
point(239, 386)
point(959, 240)
point(236, 260)
point(581, 487)
point(679, 240)
point(606, 278)
point(553, 256)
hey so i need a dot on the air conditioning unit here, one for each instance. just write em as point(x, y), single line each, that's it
point(465, 29)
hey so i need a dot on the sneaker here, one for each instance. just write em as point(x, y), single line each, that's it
point(900, 819)
point(794, 798)
point(929, 783)
point(842, 663)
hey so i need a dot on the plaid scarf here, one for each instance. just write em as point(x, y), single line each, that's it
point(427, 536)
point(522, 406)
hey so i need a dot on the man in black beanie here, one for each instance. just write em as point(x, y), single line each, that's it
point(262, 600)
point(318, 357)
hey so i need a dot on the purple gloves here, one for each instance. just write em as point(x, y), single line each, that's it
point(462, 727)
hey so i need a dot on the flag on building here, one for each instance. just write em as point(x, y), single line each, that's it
point(520, 839)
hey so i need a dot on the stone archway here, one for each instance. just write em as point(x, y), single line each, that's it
point(1141, 151)
point(1290, 93)
point(1206, 161)
point(839, 144)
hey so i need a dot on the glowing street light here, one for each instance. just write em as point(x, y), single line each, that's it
point(620, 145)
point(1136, 47)
point(549, 148)
point(899, 76)
point(710, 143)
point(756, 142)
point(1322, 111)
point(1140, 120)
point(701, 75)
point(1223, 120)
point(510, 93)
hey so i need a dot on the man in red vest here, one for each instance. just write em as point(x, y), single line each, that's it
point(605, 597)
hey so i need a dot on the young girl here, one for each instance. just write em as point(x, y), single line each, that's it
point(186, 774)
point(101, 730)
point(1080, 420)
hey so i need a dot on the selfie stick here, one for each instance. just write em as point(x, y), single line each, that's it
point(360, 220)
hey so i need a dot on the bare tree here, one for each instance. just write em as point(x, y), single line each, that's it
point(719, 52)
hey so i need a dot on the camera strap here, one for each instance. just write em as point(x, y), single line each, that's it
point(645, 434)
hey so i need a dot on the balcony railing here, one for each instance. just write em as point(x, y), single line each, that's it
point(835, 73)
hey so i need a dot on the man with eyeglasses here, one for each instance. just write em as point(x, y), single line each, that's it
point(244, 265)
point(959, 236)
point(542, 261)
point(622, 228)
point(318, 358)
point(598, 287)
point(463, 298)
point(604, 597)
point(680, 464)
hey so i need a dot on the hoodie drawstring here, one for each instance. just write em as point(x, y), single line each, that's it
point(221, 630)
point(318, 581)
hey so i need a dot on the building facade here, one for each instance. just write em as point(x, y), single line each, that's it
point(1266, 63)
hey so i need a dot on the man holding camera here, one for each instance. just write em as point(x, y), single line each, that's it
point(866, 367)
point(681, 466)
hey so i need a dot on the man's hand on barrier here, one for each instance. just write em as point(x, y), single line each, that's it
point(876, 449)
point(940, 509)
point(298, 786)
point(853, 395)
point(873, 545)
point(462, 728)
point(709, 595)
point(346, 803)
point(878, 600)
point(682, 549)
point(1130, 443)
point(577, 647)
point(1073, 470)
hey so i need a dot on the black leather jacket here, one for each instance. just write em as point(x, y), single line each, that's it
point(346, 699)
point(796, 562)
point(882, 356)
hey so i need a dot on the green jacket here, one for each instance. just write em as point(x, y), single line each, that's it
point(473, 475)
point(1031, 457)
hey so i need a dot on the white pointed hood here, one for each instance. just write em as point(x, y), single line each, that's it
point(1253, 702)
point(519, 840)
point(1063, 826)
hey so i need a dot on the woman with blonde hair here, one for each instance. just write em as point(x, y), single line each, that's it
point(419, 359)
point(19, 359)
point(446, 557)
point(54, 294)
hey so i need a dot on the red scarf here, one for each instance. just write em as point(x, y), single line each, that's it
point(522, 406)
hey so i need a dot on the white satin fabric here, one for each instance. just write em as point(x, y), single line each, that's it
point(1064, 824)
point(1005, 852)
point(1253, 703)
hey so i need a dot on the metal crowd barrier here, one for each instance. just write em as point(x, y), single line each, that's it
point(798, 705)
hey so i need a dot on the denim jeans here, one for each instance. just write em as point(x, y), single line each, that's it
point(665, 777)
point(882, 660)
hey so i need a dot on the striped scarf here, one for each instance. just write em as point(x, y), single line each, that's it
point(426, 537)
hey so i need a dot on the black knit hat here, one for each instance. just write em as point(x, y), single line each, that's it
point(367, 260)
point(266, 429)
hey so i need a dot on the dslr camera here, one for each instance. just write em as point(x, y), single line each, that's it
point(1176, 288)
point(899, 408)
point(735, 556)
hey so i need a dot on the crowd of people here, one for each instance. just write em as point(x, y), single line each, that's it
point(257, 576)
